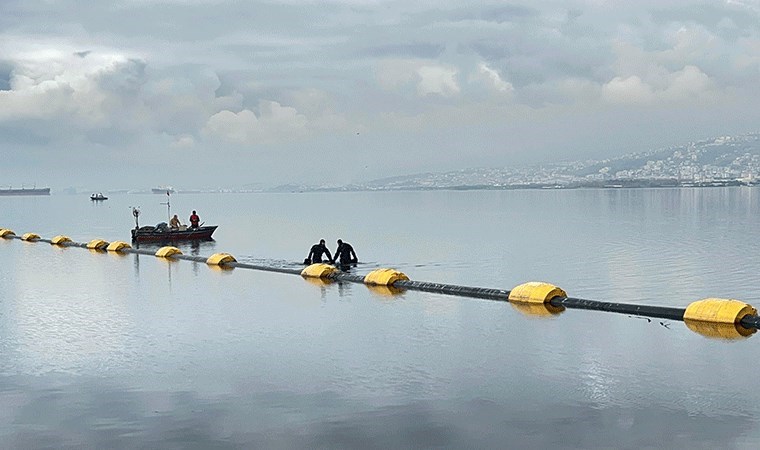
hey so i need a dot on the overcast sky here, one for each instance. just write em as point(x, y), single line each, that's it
point(203, 93)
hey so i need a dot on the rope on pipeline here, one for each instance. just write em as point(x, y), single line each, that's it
point(712, 317)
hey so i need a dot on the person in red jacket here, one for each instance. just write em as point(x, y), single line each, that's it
point(194, 220)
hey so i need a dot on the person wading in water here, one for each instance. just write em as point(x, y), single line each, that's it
point(316, 252)
point(345, 254)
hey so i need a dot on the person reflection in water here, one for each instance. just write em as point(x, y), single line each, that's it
point(345, 255)
point(316, 252)
point(195, 248)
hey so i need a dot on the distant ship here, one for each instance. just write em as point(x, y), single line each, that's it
point(25, 191)
point(163, 190)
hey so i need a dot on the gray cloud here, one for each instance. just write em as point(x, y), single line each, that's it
point(5, 75)
point(413, 50)
point(276, 81)
point(15, 133)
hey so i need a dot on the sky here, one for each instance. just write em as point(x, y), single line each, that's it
point(217, 93)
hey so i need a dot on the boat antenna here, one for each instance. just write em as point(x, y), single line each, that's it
point(136, 213)
point(168, 206)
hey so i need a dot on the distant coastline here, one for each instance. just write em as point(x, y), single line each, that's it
point(612, 184)
point(24, 191)
point(608, 184)
point(724, 161)
point(718, 162)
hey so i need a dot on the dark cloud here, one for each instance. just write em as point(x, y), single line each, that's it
point(12, 14)
point(19, 133)
point(496, 13)
point(6, 69)
point(125, 79)
point(153, 74)
point(111, 136)
point(491, 50)
point(150, 21)
point(505, 13)
point(708, 15)
point(414, 50)
point(534, 57)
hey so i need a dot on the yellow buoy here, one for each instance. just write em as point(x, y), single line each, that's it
point(117, 246)
point(168, 252)
point(97, 244)
point(718, 310)
point(319, 270)
point(60, 239)
point(535, 292)
point(219, 259)
point(718, 318)
point(6, 233)
point(384, 277)
point(31, 237)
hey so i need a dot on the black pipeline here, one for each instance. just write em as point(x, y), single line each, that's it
point(713, 317)
point(709, 316)
point(661, 312)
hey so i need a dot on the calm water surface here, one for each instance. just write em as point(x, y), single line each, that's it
point(124, 351)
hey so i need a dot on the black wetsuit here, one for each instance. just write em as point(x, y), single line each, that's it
point(345, 253)
point(315, 254)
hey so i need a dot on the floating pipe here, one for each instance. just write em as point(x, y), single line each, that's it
point(662, 312)
point(397, 282)
point(453, 289)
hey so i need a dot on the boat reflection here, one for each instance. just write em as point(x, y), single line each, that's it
point(194, 248)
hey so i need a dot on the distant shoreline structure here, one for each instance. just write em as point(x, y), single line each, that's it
point(25, 191)
point(607, 184)
point(163, 190)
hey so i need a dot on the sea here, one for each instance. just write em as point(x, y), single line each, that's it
point(107, 350)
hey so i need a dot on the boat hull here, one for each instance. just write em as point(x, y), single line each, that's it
point(191, 234)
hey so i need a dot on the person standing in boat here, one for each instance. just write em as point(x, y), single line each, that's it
point(345, 254)
point(194, 220)
point(175, 223)
point(316, 252)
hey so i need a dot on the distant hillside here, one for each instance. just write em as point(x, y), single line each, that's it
point(719, 152)
point(726, 159)
point(721, 161)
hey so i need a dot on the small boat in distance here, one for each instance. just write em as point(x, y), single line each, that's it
point(98, 197)
point(25, 191)
point(163, 190)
